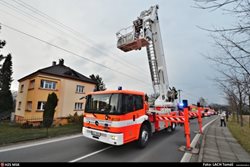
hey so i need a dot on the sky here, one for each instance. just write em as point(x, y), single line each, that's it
point(86, 30)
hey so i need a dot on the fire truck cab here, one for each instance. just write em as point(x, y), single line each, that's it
point(117, 117)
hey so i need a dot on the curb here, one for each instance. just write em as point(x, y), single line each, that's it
point(200, 157)
point(205, 130)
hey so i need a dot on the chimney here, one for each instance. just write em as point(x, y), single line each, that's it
point(53, 63)
point(61, 61)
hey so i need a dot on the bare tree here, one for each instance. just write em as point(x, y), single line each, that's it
point(235, 89)
point(233, 58)
point(230, 96)
point(234, 41)
point(202, 101)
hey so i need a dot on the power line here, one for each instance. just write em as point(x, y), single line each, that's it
point(19, 18)
point(8, 5)
point(70, 52)
point(76, 33)
point(43, 22)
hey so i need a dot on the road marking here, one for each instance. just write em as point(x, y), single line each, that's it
point(15, 147)
point(195, 140)
point(90, 154)
point(187, 156)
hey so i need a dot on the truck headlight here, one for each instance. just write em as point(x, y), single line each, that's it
point(114, 137)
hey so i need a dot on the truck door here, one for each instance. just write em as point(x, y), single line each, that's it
point(133, 108)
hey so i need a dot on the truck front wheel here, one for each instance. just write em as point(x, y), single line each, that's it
point(144, 136)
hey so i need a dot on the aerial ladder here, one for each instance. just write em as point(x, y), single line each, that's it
point(145, 32)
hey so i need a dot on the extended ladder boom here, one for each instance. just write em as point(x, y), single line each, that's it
point(145, 32)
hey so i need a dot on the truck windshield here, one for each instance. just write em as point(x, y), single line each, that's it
point(103, 104)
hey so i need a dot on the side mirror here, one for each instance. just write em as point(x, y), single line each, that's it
point(84, 97)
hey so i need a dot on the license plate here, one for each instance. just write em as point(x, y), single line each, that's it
point(96, 134)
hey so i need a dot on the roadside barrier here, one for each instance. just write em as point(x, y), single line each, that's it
point(183, 118)
point(200, 120)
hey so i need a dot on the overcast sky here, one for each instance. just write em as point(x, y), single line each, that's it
point(95, 23)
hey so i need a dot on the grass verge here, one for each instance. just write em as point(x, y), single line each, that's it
point(242, 134)
point(12, 133)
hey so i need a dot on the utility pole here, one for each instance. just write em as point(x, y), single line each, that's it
point(179, 93)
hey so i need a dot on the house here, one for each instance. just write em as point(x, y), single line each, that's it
point(69, 86)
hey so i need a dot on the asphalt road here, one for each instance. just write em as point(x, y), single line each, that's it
point(162, 147)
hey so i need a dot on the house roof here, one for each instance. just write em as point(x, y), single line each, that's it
point(60, 70)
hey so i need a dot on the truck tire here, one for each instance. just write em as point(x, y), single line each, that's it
point(173, 126)
point(143, 137)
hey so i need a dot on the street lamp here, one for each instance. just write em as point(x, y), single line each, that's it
point(179, 93)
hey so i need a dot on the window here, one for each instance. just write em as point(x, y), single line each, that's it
point(79, 89)
point(19, 105)
point(48, 84)
point(29, 106)
point(138, 102)
point(21, 88)
point(103, 103)
point(32, 84)
point(127, 103)
point(41, 105)
point(78, 106)
point(132, 103)
point(113, 103)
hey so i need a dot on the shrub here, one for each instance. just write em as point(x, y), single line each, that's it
point(75, 118)
point(26, 125)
